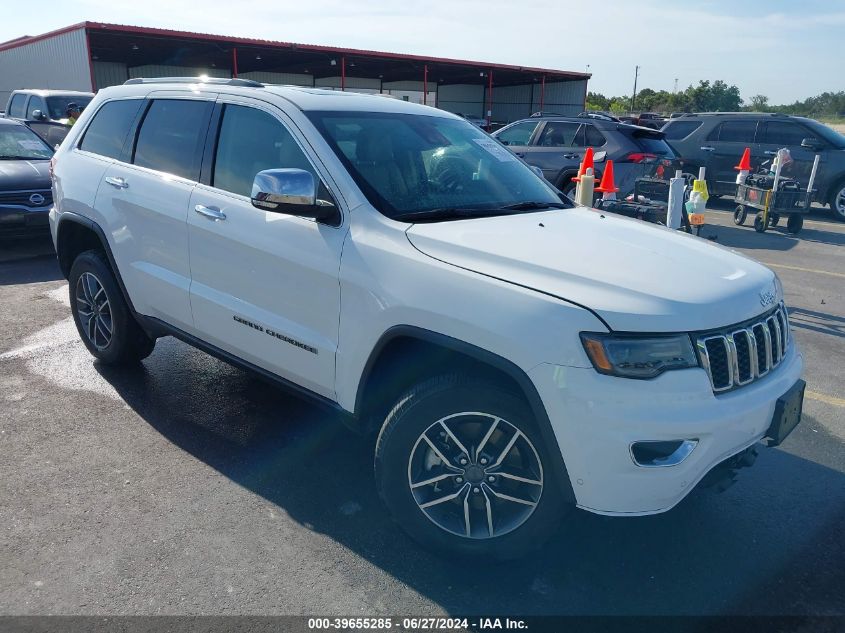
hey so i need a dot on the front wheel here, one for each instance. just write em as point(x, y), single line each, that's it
point(567, 188)
point(462, 468)
point(837, 201)
point(740, 214)
point(794, 223)
point(759, 223)
point(104, 321)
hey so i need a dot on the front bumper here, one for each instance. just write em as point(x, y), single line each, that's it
point(596, 419)
point(19, 221)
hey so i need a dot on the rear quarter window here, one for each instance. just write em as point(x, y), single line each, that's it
point(107, 132)
point(677, 130)
point(16, 106)
point(734, 132)
point(651, 143)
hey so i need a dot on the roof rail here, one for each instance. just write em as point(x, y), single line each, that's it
point(217, 81)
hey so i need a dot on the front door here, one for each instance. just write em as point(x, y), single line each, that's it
point(265, 286)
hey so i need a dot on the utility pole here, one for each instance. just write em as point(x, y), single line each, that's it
point(634, 96)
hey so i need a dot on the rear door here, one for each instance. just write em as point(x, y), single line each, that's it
point(724, 146)
point(789, 134)
point(145, 202)
point(265, 285)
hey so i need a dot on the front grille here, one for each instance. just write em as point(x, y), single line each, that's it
point(22, 198)
point(739, 355)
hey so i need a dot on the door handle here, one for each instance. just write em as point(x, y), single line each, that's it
point(571, 156)
point(770, 153)
point(520, 154)
point(120, 183)
point(707, 148)
point(210, 212)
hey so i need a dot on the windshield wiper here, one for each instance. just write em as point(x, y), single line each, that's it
point(447, 213)
point(530, 206)
point(13, 157)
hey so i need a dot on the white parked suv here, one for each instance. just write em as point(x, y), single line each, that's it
point(517, 356)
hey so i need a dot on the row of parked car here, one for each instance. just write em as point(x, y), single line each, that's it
point(716, 141)
point(35, 122)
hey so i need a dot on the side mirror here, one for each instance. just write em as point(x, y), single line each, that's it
point(290, 191)
point(38, 115)
point(537, 171)
point(811, 143)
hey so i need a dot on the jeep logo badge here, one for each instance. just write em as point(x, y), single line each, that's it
point(36, 199)
point(767, 298)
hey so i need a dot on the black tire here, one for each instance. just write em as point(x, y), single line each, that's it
point(740, 214)
point(567, 188)
point(837, 200)
point(400, 442)
point(794, 223)
point(774, 218)
point(126, 342)
point(759, 225)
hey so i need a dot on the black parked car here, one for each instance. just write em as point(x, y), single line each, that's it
point(557, 144)
point(716, 141)
point(25, 195)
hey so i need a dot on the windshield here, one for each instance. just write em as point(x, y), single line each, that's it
point(18, 142)
point(58, 105)
point(411, 164)
point(827, 133)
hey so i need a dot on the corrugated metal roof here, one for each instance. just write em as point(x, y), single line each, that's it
point(151, 31)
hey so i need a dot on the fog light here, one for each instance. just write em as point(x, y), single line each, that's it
point(656, 454)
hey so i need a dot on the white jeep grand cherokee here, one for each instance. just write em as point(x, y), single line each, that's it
point(517, 356)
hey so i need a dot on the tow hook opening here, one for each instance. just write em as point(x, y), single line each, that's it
point(724, 474)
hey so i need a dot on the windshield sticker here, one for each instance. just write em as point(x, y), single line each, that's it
point(33, 145)
point(495, 148)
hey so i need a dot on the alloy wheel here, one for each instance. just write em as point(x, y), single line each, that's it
point(475, 475)
point(94, 310)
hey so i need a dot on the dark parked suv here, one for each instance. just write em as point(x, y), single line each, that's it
point(716, 141)
point(557, 144)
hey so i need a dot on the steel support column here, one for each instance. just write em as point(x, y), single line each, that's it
point(542, 92)
point(489, 99)
point(343, 73)
point(234, 62)
point(425, 84)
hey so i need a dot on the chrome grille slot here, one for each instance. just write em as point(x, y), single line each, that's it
point(740, 355)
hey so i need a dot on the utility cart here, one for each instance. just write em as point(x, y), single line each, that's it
point(771, 205)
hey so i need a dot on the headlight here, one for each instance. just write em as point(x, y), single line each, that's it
point(632, 356)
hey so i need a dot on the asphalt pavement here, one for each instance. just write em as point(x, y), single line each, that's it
point(186, 486)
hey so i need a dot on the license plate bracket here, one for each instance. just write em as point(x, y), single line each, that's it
point(787, 413)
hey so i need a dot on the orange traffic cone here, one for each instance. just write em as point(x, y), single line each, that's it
point(607, 185)
point(745, 163)
point(586, 164)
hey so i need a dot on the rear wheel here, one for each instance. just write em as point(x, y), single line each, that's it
point(759, 224)
point(105, 324)
point(461, 467)
point(567, 188)
point(774, 218)
point(740, 214)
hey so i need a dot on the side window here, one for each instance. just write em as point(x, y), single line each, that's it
point(108, 129)
point(171, 136)
point(677, 130)
point(35, 103)
point(592, 137)
point(558, 134)
point(783, 133)
point(16, 107)
point(734, 132)
point(518, 134)
point(251, 141)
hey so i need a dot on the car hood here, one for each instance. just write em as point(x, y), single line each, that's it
point(22, 175)
point(636, 276)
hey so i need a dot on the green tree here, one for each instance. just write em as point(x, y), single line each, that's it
point(759, 103)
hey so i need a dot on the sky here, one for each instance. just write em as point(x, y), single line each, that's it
point(785, 50)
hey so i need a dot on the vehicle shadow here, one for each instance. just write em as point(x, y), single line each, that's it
point(820, 322)
point(28, 261)
point(706, 556)
point(816, 214)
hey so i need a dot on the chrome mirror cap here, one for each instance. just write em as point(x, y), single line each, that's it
point(274, 187)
